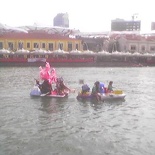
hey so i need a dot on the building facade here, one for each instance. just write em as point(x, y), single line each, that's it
point(123, 25)
point(38, 40)
point(133, 43)
point(61, 19)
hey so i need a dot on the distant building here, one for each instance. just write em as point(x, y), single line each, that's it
point(153, 26)
point(61, 20)
point(38, 39)
point(123, 25)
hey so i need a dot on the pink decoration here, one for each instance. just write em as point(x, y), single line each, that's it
point(48, 73)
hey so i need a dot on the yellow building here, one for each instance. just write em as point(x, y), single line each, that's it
point(38, 40)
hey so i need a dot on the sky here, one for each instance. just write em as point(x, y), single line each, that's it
point(85, 15)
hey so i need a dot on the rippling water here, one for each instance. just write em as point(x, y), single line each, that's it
point(37, 126)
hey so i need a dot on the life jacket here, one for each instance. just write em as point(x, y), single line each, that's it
point(102, 90)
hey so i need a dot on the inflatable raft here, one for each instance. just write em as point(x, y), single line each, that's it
point(115, 95)
point(36, 92)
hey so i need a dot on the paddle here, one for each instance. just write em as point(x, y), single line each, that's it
point(37, 81)
point(45, 94)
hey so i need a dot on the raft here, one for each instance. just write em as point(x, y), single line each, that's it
point(115, 95)
point(35, 92)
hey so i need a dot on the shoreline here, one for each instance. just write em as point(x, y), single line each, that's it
point(90, 64)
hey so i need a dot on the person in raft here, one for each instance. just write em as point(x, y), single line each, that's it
point(110, 87)
point(85, 89)
point(44, 87)
point(96, 91)
point(61, 87)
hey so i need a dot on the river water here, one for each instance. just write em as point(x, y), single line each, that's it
point(37, 126)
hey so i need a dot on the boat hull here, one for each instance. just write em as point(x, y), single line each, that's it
point(104, 97)
point(35, 92)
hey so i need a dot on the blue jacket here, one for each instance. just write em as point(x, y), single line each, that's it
point(102, 91)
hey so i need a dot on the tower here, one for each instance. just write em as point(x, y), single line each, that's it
point(61, 19)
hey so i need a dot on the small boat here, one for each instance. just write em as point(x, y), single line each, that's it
point(35, 92)
point(48, 75)
point(115, 95)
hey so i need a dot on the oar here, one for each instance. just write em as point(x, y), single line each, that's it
point(45, 94)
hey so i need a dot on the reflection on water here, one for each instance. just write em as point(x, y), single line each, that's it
point(98, 105)
point(41, 125)
point(52, 105)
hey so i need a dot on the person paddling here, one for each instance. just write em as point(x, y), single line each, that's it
point(61, 87)
point(110, 87)
point(96, 91)
point(85, 89)
point(45, 87)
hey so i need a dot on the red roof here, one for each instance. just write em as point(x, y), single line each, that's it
point(34, 35)
point(150, 38)
point(133, 37)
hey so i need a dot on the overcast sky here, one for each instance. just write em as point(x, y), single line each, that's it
point(87, 16)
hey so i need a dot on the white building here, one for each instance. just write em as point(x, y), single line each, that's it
point(136, 43)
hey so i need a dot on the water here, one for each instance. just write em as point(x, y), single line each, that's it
point(48, 126)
